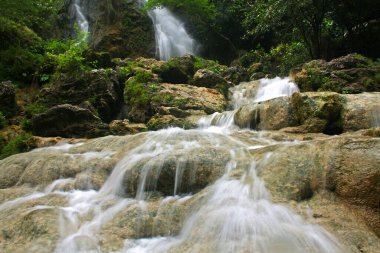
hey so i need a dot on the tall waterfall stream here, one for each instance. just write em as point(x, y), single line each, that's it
point(80, 17)
point(172, 38)
point(233, 214)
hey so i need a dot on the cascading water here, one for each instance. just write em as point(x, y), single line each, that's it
point(235, 213)
point(245, 94)
point(80, 17)
point(171, 36)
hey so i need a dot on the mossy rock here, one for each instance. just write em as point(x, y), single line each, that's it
point(319, 112)
point(177, 70)
point(349, 74)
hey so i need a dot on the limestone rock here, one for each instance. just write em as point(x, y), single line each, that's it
point(269, 115)
point(123, 127)
point(68, 121)
point(313, 112)
point(187, 97)
point(361, 111)
point(347, 166)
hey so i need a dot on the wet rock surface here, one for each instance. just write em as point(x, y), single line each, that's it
point(330, 181)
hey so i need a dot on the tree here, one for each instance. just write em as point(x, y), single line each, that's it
point(307, 19)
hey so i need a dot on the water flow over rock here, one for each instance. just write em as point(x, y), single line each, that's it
point(171, 36)
point(249, 93)
point(181, 190)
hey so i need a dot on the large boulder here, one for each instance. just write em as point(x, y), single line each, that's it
point(68, 121)
point(207, 78)
point(269, 115)
point(348, 74)
point(361, 111)
point(97, 90)
point(170, 104)
point(8, 104)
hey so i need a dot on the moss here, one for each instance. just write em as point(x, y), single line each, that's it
point(213, 66)
point(35, 108)
point(16, 145)
point(223, 89)
point(139, 90)
point(344, 75)
point(331, 86)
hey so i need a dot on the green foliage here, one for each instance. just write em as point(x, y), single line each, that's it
point(19, 64)
point(286, 56)
point(279, 60)
point(3, 120)
point(26, 125)
point(14, 34)
point(39, 15)
point(35, 108)
point(211, 65)
point(316, 78)
point(16, 145)
point(68, 56)
point(20, 52)
point(138, 90)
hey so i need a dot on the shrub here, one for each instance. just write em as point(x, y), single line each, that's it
point(35, 108)
point(286, 56)
point(16, 145)
point(68, 56)
point(211, 65)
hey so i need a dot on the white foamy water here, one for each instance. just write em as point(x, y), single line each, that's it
point(172, 38)
point(274, 88)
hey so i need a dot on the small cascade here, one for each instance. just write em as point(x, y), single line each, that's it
point(250, 93)
point(80, 17)
point(171, 37)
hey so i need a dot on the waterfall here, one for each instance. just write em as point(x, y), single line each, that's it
point(171, 36)
point(234, 212)
point(80, 17)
